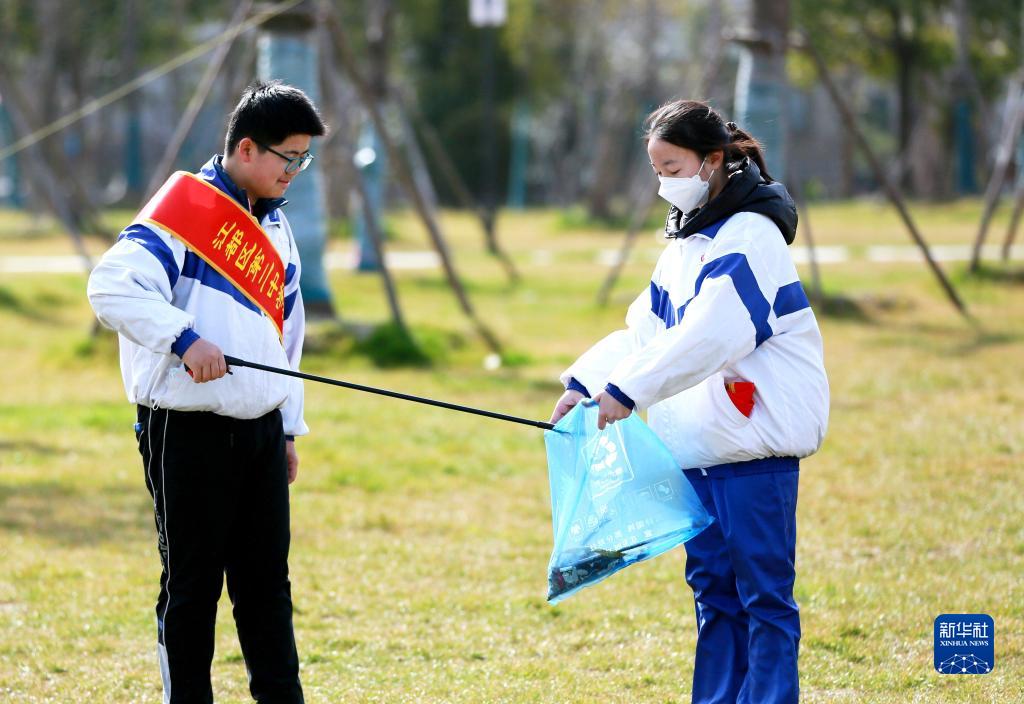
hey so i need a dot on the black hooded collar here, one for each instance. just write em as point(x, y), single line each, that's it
point(746, 191)
point(214, 172)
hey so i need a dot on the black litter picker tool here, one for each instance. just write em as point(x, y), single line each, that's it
point(617, 496)
point(236, 362)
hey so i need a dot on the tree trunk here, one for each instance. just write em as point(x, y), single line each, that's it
point(347, 60)
point(891, 190)
point(608, 152)
point(904, 54)
point(195, 104)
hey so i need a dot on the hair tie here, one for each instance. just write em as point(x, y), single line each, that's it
point(731, 126)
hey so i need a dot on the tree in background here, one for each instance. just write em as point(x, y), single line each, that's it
point(58, 55)
point(579, 74)
point(587, 70)
point(922, 49)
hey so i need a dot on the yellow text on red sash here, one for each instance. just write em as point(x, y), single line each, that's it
point(224, 235)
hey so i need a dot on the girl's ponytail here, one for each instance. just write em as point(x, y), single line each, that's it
point(695, 125)
point(741, 144)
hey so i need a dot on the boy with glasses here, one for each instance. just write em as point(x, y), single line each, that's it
point(210, 266)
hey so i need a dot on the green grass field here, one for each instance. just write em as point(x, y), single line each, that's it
point(421, 536)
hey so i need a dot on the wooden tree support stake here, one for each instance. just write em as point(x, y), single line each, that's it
point(402, 172)
point(891, 191)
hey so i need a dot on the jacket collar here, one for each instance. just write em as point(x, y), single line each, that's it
point(745, 191)
point(214, 172)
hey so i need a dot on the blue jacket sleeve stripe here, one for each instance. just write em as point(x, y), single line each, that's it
point(661, 305)
point(196, 268)
point(151, 242)
point(289, 303)
point(289, 273)
point(736, 267)
point(790, 299)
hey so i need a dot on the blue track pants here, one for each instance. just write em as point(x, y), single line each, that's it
point(741, 570)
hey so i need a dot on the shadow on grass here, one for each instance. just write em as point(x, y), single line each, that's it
point(495, 286)
point(839, 307)
point(385, 345)
point(987, 272)
point(948, 338)
point(71, 517)
point(864, 308)
point(981, 339)
point(30, 447)
point(36, 313)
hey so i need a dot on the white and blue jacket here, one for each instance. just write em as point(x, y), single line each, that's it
point(723, 304)
point(160, 297)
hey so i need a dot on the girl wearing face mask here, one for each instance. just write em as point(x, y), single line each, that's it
point(724, 353)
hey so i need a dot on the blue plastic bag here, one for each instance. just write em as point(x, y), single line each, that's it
point(617, 497)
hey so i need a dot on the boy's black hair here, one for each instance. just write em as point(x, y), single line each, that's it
point(269, 112)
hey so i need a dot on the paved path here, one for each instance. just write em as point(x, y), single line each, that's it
point(428, 259)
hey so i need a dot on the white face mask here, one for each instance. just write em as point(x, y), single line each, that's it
point(685, 193)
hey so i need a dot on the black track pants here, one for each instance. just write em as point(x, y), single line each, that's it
point(220, 494)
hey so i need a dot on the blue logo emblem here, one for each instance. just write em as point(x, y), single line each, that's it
point(964, 644)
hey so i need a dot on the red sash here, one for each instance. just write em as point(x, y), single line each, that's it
point(224, 235)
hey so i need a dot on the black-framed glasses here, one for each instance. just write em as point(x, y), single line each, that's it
point(295, 163)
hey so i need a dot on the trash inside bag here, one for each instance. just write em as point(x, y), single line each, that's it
point(617, 497)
